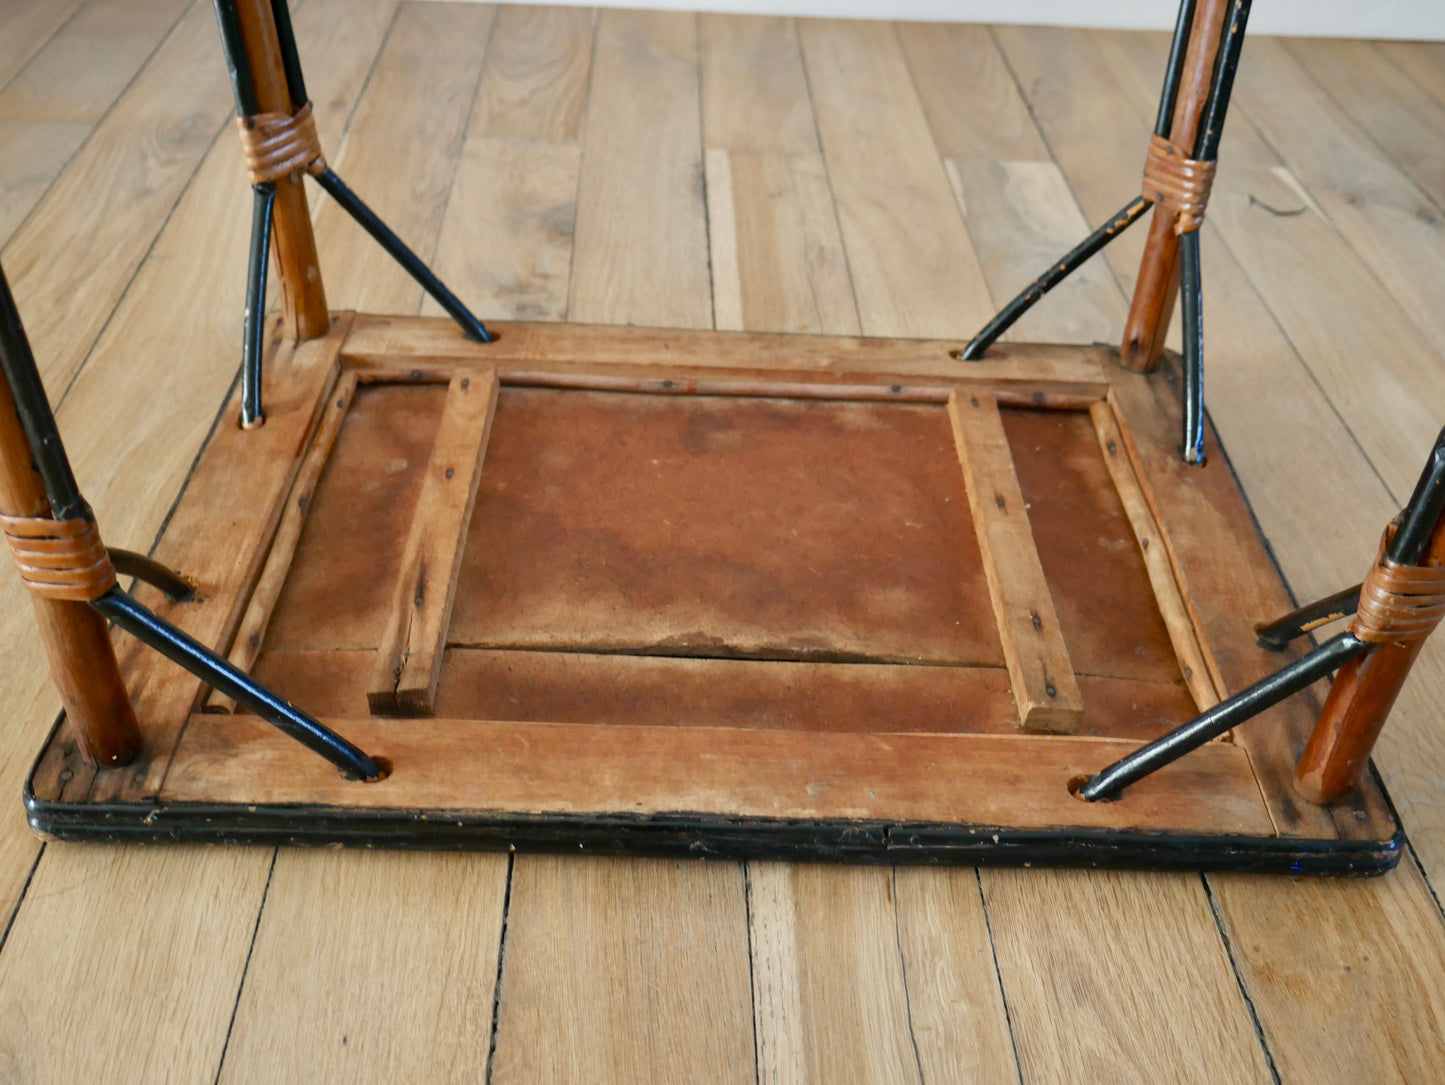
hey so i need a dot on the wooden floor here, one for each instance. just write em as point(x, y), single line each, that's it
point(740, 173)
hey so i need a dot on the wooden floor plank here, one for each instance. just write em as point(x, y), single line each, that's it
point(1087, 306)
point(1149, 986)
point(974, 108)
point(508, 229)
point(1346, 976)
point(754, 92)
point(85, 239)
point(957, 1015)
point(439, 47)
point(625, 970)
point(913, 270)
point(1391, 225)
point(25, 27)
point(642, 150)
point(534, 85)
point(49, 109)
point(119, 942)
point(1388, 106)
point(829, 999)
point(400, 965)
point(1422, 61)
point(133, 430)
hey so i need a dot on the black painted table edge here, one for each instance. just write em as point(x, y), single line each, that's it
point(697, 835)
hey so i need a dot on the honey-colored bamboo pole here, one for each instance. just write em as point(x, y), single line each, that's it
point(302, 293)
point(76, 639)
point(1157, 286)
point(1358, 704)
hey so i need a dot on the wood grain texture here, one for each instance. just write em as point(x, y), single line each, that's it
point(400, 987)
point(1019, 780)
point(1164, 576)
point(25, 27)
point(252, 629)
point(1022, 218)
point(913, 269)
point(663, 691)
point(754, 92)
point(440, 47)
point(1045, 690)
point(409, 659)
point(1345, 976)
point(1150, 986)
point(534, 83)
point(641, 245)
point(178, 926)
point(1381, 98)
point(791, 274)
point(960, 1025)
point(507, 232)
point(1389, 223)
point(403, 347)
point(49, 108)
point(974, 107)
point(108, 201)
point(832, 1001)
point(623, 970)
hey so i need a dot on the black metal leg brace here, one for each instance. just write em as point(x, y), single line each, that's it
point(252, 413)
point(1303, 672)
point(221, 675)
point(47, 451)
point(1122, 220)
point(1276, 635)
point(412, 263)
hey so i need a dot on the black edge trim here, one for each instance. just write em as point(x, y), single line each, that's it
point(704, 836)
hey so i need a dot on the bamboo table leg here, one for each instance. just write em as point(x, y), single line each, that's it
point(77, 641)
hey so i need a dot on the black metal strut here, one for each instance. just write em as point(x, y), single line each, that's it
point(1122, 219)
point(1191, 282)
point(252, 411)
point(1413, 528)
point(42, 437)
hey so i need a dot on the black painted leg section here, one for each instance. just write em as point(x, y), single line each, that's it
point(1127, 216)
point(216, 672)
point(399, 252)
point(253, 343)
point(1292, 678)
point(1276, 635)
point(149, 571)
point(1192, 295)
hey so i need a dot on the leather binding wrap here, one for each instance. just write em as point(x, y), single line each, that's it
point(276, 145)
point(1399, 604)
point(59, 559)
point(1180, 183)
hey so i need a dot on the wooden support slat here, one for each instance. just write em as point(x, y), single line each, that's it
point(1038, 660)
point(252, 630)
point(556, 768)
point(1199, 670)
point(409, 661)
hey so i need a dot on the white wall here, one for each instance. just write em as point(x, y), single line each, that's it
point(1424, 19)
